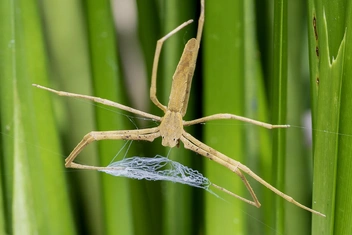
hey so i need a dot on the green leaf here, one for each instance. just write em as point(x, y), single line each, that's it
point(330, 59)
point(223, 92)
point(35, 186)
point(66, 38)
point(258, 141)
point(179, 216)
point(279, 106)
point(107, 83)
point(298, 149)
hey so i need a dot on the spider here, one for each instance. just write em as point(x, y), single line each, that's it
point(171, 128)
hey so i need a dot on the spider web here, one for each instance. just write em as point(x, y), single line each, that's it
point(158, 168)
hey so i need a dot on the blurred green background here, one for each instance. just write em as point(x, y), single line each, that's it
point(273, 61)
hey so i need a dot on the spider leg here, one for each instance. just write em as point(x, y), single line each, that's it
point(101, 101)
point(275, 190)
point(159, 45)
point(232, 116)
point(200, 21)
point(197, 146)
point(148, 134)
point(235, 195)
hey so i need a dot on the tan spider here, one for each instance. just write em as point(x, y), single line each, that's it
point(171, 124)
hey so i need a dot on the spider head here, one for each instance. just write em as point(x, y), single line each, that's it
point(169, 142)
point(171, 129)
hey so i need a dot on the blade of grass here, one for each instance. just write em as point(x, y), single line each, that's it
point(107, 83)
point(258, 141)
point(329, 56)
point(326, 147)
point(279, 97)
point(178, 208)
point(224, 92)
point(149, 31)
point(35, 184)
point(299, 159)
point(148, 217)
point(66, 38)
point(7, 73)
point(344, 173)
point(2, 199)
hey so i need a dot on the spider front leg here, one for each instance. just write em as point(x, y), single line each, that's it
point(144, 134)
point(101, 101)
point(158, 48)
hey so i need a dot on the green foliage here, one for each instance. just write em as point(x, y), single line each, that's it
point(224, 92)
point(331, 88)
point(33, 183)
point(253, 62)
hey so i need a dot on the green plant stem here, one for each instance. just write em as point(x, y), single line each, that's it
point(107, 83)
point(35, 185)
point(223, 92)
point(179, 217)
point(279, 97)
point(330, 72)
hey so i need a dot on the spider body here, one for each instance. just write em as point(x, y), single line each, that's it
point(182, 79)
